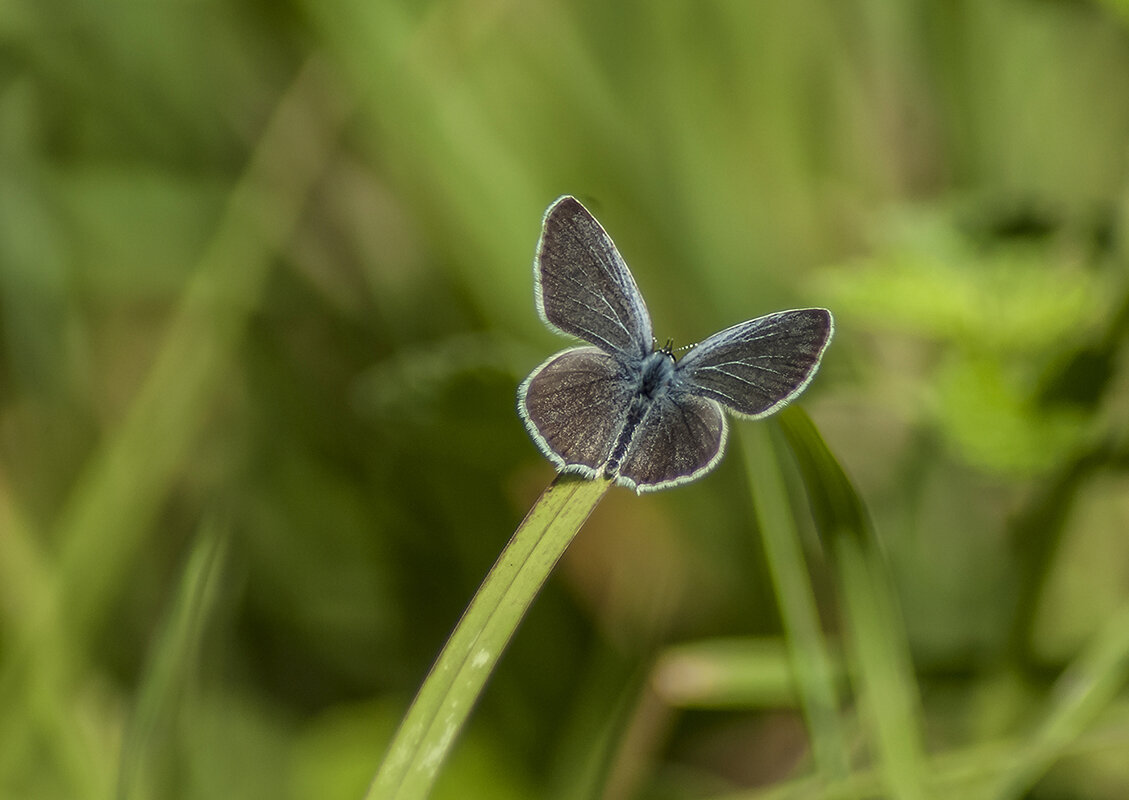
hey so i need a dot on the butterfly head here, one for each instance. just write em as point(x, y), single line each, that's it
point(658, 371)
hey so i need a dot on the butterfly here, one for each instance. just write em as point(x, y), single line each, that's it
point(627, 410)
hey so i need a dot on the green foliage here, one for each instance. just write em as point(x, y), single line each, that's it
point(999, 318)
point(265, 296)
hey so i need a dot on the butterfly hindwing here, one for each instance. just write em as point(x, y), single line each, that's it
point(575, 405)
point(679, 439)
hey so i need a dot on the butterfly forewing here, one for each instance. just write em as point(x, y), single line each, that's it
point(574, 406)
point(756, 367)
point(583, 286)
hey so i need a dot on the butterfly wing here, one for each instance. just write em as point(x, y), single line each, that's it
point(582, 284)
point(756, 367)
point(574, 406)
point(679, 439)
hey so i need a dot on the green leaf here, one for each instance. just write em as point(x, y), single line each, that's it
point(876, 638)
point(445, 700)
point(812, 666)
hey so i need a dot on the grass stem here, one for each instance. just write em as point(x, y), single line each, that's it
point(444, 701)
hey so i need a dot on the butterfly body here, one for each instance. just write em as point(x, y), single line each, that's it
point(658, 374)
point(655, 383)
point(624, 409)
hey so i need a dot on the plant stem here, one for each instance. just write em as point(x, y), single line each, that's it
point(444, 701)
point(812, 663)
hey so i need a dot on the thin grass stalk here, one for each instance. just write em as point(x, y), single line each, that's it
point(1085, 689)
point(444, 701)
point(875, 635)
point(811, 660)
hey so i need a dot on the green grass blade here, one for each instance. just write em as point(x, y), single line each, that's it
point(444, 702)
point(742, 672)
point(172, 662)
point(109, 512)
point(104, 522)
point(812, 665)
point(1084, 690)
point(606, 733)
point(883, 671)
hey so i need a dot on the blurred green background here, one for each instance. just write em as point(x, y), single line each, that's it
point(266, 295)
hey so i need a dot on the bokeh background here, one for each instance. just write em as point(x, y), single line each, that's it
point(266, 295)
